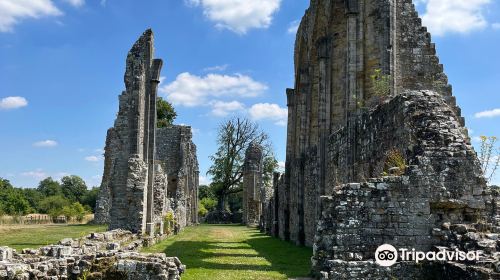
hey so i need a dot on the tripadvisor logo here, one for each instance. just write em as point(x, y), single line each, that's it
point(387, 255)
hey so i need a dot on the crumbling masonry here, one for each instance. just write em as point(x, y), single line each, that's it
point(340, 192)
point(148, 172)
point(252, 185)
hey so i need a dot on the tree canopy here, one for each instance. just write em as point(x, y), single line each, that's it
point(52, 197)
point(234, 137)
point(49, 187)
point(165, 113)
point(73, 188)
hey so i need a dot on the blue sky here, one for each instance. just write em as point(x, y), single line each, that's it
point(62, 65)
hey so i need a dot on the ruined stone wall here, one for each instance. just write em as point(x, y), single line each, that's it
point(442, 184)
point(108, 255)
point(267, 222)
point(177, 152)
point(147, 171)
point(129, 176)
point(359, 217)
point(425, 130)
point(253, 185)
point(339, 46)
point(342, 133)
point(439, 203)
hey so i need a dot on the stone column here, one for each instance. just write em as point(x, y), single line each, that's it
point(252, 185)
point(151, 144)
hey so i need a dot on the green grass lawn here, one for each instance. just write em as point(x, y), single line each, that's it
point(34, 236)
point(235, 252)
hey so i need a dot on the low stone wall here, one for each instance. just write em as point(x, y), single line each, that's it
point(109, 255)
point(360, 217)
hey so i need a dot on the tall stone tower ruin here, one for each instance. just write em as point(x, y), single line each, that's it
point(253, 185)
point(340, 45)
point(135, 191)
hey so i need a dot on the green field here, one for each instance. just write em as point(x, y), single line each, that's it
point(235, 252)
point(34, 236)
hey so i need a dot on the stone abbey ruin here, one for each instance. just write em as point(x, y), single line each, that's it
point(148, 171)
point(366, 167)
point(377, 153)
point(149, 190)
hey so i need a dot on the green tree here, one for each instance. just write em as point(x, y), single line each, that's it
point(75, 210)
point(270, 165)
point(53, 205)
point(2, 209)
point(202, 211)
point(90, 198)
point(49, 187)
point(205, 191)
point(66, 211)
point(165, 113)
point(79, 211)
point(33, 196)
point(73, 188)
point(5, 184)
point(234, 137)
point(14, 202)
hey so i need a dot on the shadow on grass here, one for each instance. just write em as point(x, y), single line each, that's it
point(283, 257)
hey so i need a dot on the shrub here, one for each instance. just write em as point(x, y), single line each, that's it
point(218, 217)
point(489, 157)
point(208, 203)
point(169, 223)
point(53, 205)
point(79, 211)
point(202, 211)
point(395, 159)
point(381, 83)
point(68, 212)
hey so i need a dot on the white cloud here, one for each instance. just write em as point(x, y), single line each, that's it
point(103, 3)
point(488, 114)
point(293, 27)
point(454, 16)
point(238, 15)
point(37, 174)
point(476, 139)
point(269, 111)
point(218, 68)
point(13, 11)
point(281, 166)
point(40, 174)
point(204, 180)
point(222, 109)
point(93, 158)
point(496, 25)
point(77, 3)
point(45, 144)
point(191, 90)
point(12, 102)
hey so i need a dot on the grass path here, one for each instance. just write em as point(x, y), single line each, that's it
point(34, 236)
point(234, 252)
